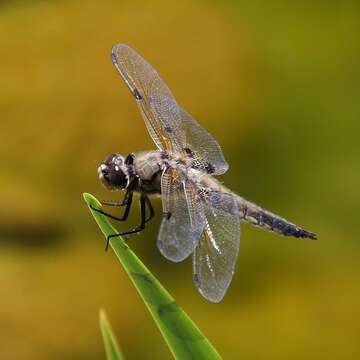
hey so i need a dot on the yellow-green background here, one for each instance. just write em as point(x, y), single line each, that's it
point(276, 82)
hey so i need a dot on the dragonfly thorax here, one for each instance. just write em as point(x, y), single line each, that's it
point(114, 172)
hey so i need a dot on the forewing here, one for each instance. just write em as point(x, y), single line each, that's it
point(157, 104)
point(207, 153)
point(188, 137)
point(170, 127)
point(183, 218)
point(215, 257)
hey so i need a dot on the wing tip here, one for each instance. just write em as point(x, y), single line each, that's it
point(214, 298)
point(171, 253)
point(114, 53)
point(119, 46)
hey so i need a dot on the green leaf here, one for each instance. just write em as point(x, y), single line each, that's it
point(183, 337)
point(112, 348)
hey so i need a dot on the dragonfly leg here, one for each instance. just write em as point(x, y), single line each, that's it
point(124, 201)
point(129, 159)
point(138, 228)
point(151, 209)
point(126, 212)
point(112, 203)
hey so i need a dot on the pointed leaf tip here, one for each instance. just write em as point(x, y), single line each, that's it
point(102, 315)
point(91, 200)
point(112, 348)
point(183, 337)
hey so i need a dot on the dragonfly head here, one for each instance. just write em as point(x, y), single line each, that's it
point(114, 172)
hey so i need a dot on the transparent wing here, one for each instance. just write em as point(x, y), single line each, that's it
point(215, 257)
point(150, 91)
point(170, 127)
point(183, 220)
point(199, 144)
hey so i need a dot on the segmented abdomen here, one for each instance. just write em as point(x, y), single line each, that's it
point(269, 221)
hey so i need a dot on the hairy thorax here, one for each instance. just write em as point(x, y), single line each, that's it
point(149, 166)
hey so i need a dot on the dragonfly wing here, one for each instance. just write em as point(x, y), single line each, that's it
point(215, 257)
point(170, 127)
point(188, 137)
point(199, 143)
point(150, 91)
point(183, 218)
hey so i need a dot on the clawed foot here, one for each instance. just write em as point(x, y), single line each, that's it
point(108, 240)
point(125, 237)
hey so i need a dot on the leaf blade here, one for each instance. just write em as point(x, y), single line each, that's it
point(112, 348)
point(182, 336)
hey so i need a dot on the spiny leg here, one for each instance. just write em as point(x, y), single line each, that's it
point(124, 201)
point(138, 228)
point(151, 209)
point(128, 203)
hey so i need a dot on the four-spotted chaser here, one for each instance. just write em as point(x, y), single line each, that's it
point(201, 217)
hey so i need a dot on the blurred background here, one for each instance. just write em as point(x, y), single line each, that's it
point(274, 82)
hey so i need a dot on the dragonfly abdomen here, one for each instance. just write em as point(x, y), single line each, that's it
point(259, 217)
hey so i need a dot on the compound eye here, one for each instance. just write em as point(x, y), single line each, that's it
point(110, 159)
point(105, 172)
point(114, 159)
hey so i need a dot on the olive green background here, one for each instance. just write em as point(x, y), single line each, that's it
point(277, 83)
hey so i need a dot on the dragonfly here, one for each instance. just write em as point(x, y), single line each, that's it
point(201, 217)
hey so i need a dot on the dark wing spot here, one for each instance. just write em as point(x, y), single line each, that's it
point(197, 279)
point(168, 129)
point(189, 152)
point(210, 169)
point(137, 94)
point(167, 215)
point(164, 155)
